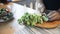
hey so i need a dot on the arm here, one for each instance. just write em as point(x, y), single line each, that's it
point(53, 15)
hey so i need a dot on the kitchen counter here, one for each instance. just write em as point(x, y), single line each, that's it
point(14, 28)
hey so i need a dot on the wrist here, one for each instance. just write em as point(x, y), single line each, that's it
point(58, 10)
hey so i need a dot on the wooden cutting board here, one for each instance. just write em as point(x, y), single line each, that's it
point(49, 24)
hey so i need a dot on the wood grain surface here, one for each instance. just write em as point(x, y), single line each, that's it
point(49, 24)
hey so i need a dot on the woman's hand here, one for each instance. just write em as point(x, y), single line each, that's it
point(54, 15)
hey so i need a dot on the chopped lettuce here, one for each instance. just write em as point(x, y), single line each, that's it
point(32, 19)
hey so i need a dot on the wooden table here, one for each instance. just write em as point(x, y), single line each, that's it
point(14, 28)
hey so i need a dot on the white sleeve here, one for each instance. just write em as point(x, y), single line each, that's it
point(40, 5)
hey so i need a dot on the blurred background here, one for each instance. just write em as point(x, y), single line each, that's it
point(28, 3)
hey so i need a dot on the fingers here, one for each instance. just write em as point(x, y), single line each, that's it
point(53, 16)
point(51, 13)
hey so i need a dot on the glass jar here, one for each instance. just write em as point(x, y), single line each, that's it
point(5, 12)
